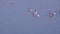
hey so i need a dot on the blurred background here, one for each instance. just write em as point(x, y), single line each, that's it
point(14, 19)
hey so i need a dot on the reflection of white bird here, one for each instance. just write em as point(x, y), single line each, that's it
point(36, 14)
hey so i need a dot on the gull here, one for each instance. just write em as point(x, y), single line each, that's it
point(36, 13)
point(30, 9)
point(51, 14)
point(54, 13)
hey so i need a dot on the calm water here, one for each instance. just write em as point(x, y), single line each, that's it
point(15, 20)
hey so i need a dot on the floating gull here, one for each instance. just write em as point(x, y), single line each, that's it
point(36, 14)
point(51, 14)
point(30, 9)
